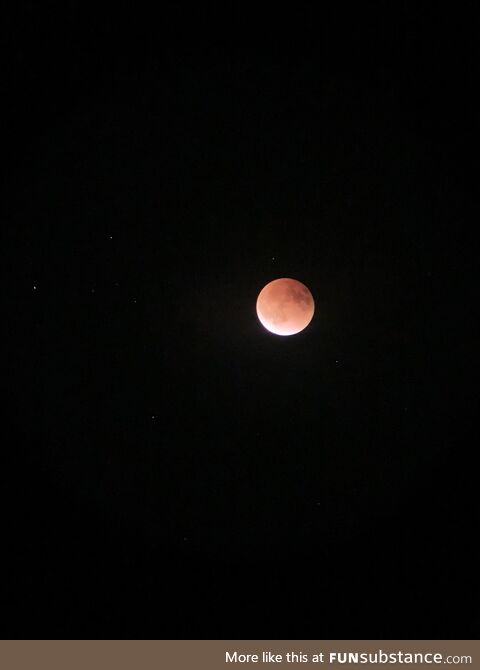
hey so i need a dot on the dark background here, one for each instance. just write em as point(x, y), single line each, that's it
point(174, 470)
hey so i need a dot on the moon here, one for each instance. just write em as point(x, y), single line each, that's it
point(285, 306)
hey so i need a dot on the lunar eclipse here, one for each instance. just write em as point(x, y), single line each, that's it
point(285, 306)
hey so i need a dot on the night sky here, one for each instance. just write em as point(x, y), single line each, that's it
point(173, 469)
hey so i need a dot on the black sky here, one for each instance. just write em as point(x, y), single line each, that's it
point(174, 470)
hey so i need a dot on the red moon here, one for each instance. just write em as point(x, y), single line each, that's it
point(285, 306)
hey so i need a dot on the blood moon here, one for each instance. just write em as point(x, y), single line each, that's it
point(285, 306)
